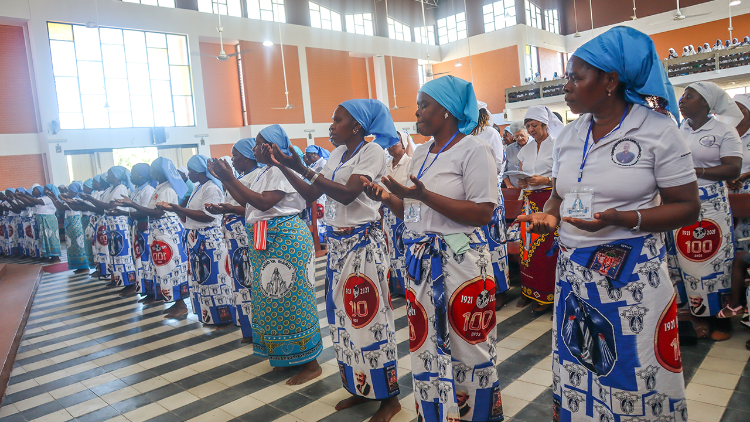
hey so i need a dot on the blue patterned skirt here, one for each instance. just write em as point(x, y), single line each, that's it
point(49, 235)
point(76, 242)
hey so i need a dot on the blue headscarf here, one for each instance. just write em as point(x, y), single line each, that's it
point(317, 149)
point(89, 183)
point(144, 170)
point(54, 189)
point(166, 167)
point(199, 163)
point(299, 152)
point(10, 189)
point(123, 175)
point(458, 97)
point(76, 187)
point(22, 190)
point(102, 179)
point(632, 55)
point(245, 147)
point(275, 134)
point(375, 119)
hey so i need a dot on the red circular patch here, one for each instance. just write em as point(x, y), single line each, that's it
point(29, 231)
point(227, 265)
point(10, 231)
point(469, 320)
point(101, 235)
point(161, 253)
point(417, 317)
point(700, 241)
point(666, 340)
point(2, 231)
point(361, 300)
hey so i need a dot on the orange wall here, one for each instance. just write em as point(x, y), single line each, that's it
point(371, 70)
point(17, 110)
point(701, 33)
point(221, 150)
point(325, 143)
point(22, 170)
point(407, 85)
point(264, 84)
point(221, 87)
point(358, 68)
point(301, 143)
point(330, 77)
point(494, 71)
point(547, 63)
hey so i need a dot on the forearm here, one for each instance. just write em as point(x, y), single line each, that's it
point(463, 212)
point(744, 176)
point(722, 172)
point(508, 183)
point(396, 205)
point(245, 196)
point(552, 206)
point(196, 215)
point(236, 209)
point(344, 194)
point(662, 218)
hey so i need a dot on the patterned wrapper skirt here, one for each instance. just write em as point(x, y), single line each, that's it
point(168, 258)
point(49, 235)
point(120, 245)
point(31, 240)
point(286, 328)
point(75, 241)
point(496, 236)
point(11, 231)
point(5, 248)
point(240, 268)
point(742, 230)
point(360, 313)
point(538, 253)
point(616, 351)
point(99, 244)
point(88, 232)
point(210, 286)
point(452, 328)
point(142, 258)
point(394, 231)
point(705, 251)
point(21, 235)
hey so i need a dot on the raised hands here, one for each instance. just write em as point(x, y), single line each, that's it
point(539, 222)
point(373, 190)
point(220, 169)
point(218, 208)
point(276, 158)
point(166, 206)
point(414, 192)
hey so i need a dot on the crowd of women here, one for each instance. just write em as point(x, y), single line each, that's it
point(616, 204)
point(689, 50)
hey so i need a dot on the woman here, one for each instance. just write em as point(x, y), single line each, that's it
point(360, 315)
point(210, 285)
point(742, 184)
point(719, 45)
point(28, 234)
point(615, 344)
point(706, 249)
point(76, 248)
point(539, 254)
point(282, 260)
point(316, 157)
point(672, 54)
point(450, 283)
point(98, 227)
point(46, 227)
point(86, 216)
point(707, 48)
point(235, 236)
point(189, 183)
point(167, 279)
point(397, 167)
point(15, 206)
point(140, 176)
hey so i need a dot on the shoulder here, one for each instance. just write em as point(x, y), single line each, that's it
point(373, 148)
point(473, 142)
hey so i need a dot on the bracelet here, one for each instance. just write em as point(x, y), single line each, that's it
point(307, 173)
point(314, 178)
point(703, 172)
point(637, 226)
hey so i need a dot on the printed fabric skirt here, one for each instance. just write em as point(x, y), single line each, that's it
point(394, 232)
point(450, 302)
point(4, 248)
point(99, 245)
point(538, 253)
point(286, 327)
point(75, 241)
point(742, 230)
point(496, 236)
point(241, 270)
point(616, 352)
point(168, 258)
point(11, 230)
point(705, 251)
point(49, 235)
point(89, 238)
point(32, 238)
point(142, 258)
point(360, 313)
point(120, 245)
point(210, 285)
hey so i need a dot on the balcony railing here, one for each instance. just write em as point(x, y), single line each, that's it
point(534, 91)
point(706, 62)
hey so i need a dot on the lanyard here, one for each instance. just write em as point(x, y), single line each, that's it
point(341, 163)
point(259, 176)
point(423, 170)
point(586, 149)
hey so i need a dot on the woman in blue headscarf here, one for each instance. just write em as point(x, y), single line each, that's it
point(282, 258)
point(358, 305)
point(15, 207)
point(98, 223)
point(28, 234)
point(165, 273)
point(316, 157)
point(46, 231)
point(75, 240)
point(615, 323)
point(210, 288)
point(450, 284)
point(235, 235)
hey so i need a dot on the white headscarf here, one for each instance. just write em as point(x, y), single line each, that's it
point(544, 115)
point(706, 48)
point(407, 142)
point(685, 51)
point(483, 105)
point(719, 102)
point(691, 50)
point(183, 170)
point(743, 99)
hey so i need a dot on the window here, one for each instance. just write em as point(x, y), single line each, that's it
point(425, 34)
point(321, 17)
point(498, 15)
point(452, 28)
point(552, 21)
point(532, 61)
point(114, 78)
point(360, 23)
point(267, 10)
point(398, 31)
point(221, 7)
point(561, 63)
point(421, 71)
point(533, 15)
point(162, 3)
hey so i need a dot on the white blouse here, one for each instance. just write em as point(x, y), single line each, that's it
point(538, 163)
point(710, 143)
point(246, 181)
point(272, 179)
point(466, 171)
point(370, 162)
point(400, 172)
point(625, 168)
point(206, 193)
point(47, 209)
point(492, 137)
point(745, 140)
point(142, 195)
point(164, 192)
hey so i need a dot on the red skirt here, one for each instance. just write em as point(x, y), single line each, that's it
point(538, 253)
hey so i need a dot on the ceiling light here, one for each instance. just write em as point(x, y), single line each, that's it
point(458, 63)
point(735, 2)
point(577, 35)
point(267, 43)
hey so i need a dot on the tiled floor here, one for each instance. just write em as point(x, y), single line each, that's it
point(90, 355)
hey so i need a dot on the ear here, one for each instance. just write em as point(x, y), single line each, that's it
point(613, 80)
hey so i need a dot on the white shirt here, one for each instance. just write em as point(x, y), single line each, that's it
point(745, 139)
point(272, 179)
point(318, 165)
point(142, 195)
point(492, 137)
point(47, 209)
point(164, 192)
point(206, 193)
point(400, 172)
point(538, 163)
point(246, 181)
point(370, 162)
point(465, 172)
point(660, 160)
point(710, 143)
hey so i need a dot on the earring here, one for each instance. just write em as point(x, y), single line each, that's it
point(446, 115)
point(356, 130)
point(609, 93)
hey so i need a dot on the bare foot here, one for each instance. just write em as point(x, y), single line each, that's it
point(351, 402)
point(247, 340)
point(81, 271)
point(388, 409)
point(178, 309)
point(308, 372)
point(128, 290)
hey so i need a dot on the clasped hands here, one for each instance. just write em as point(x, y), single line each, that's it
point(543, 223)
point(377, 192)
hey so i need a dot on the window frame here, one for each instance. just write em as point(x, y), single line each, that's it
point(452, 23)
point(277, 11)
point(533, 20)
point(419, 37)
point(335, 24)
point(552, 21)
point(491, 10)
point(351, 20)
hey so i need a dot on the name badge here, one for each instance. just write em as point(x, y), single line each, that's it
point(578, 204)
point(412, 211)
point(330, 209)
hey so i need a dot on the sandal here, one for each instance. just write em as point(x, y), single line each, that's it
point(729, 312)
